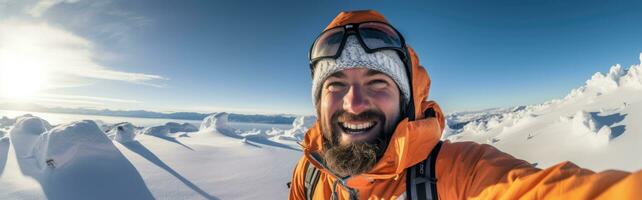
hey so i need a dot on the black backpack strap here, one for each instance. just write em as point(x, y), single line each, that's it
point(421, 182)
point(311, 179)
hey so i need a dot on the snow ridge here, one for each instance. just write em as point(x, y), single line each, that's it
point(122, 132)
point(299, 127)
point(599, 84)
point(616, 77)
point(70, 141)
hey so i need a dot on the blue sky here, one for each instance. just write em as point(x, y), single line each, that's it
point(251, 56)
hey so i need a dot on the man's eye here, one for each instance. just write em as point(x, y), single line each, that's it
point(336, 86)
point(378, 84)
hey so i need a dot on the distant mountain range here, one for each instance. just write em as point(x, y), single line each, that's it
point(255, 118)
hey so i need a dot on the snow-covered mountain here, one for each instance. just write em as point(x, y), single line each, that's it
point(597, 125)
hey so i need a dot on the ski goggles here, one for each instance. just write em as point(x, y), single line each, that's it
point(373, 36)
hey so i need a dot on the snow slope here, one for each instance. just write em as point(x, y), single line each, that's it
point(596, 126)
point(79, 161)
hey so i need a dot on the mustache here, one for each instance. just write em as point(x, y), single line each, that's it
point(367, 115)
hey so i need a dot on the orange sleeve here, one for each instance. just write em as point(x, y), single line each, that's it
point(297, 187)
point(467, 170)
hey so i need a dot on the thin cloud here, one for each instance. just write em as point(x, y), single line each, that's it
point(78, 101)
point(86, 98)
point(43, 5)
point(59, 53)
point(52, 102)
point(124, 23)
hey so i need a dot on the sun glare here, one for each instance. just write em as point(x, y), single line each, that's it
point(21, 77)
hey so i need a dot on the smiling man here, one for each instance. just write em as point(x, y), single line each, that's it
point(378, 138)
point(356, 130)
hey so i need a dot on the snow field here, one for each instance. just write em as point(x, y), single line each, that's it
point(95, 160)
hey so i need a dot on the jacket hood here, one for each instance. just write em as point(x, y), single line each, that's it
point(411, 141)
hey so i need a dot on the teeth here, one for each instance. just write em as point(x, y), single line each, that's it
point(358, 126)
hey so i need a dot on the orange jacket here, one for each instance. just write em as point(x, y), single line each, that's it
point(464, 170)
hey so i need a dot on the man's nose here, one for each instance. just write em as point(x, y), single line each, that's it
point(355, 100)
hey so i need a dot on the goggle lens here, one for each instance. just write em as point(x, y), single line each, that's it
point(327, 44)
point(378, 35)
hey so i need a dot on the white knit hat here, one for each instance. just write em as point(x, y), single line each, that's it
point(354, 56)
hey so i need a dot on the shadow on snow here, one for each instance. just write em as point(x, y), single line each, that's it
point(610, 120)
point(259, 139)
point(141, 150)
point(103, 173)
point(4, 150)
point(171, 139)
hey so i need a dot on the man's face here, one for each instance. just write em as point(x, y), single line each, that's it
point(358, 105)
point(358, 110)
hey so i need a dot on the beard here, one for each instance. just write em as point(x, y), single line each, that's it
point(355, 157)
